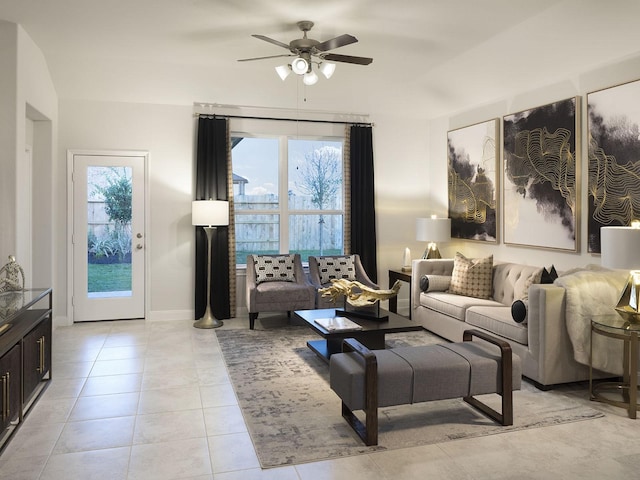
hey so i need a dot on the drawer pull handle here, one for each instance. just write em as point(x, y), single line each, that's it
point(42, 345)
point(40, 342)
point(6, 395)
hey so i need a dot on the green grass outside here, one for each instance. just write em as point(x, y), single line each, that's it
point(115, 277)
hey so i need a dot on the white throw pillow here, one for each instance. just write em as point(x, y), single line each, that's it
point(336, 268)
point(278, 268)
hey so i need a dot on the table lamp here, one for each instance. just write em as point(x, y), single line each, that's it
point(209, 214)
point(433, 230)
point(620, 250)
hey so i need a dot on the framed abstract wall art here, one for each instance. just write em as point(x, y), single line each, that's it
point(473, 181)
point(541, 197)
point(613, 159)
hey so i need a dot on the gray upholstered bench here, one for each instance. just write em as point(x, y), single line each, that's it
point(366, 380)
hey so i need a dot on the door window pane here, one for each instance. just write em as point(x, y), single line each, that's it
point(109, 193)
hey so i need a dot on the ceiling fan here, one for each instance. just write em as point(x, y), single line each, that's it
point(308, 51)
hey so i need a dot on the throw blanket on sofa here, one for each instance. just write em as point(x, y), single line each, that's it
point(593, 291)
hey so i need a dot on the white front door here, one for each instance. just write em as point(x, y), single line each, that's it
point(108, 239)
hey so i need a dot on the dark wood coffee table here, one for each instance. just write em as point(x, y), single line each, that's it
point(372, 333)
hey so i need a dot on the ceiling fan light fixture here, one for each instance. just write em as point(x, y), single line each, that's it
point(327, 69)
point(300, 66)
point(308, 51)
point(283, 71)
point(310, 78)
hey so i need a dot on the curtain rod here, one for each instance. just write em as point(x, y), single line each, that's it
point(281, 119)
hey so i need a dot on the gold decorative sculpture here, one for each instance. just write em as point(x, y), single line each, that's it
point(356, 293)
point(11, 276)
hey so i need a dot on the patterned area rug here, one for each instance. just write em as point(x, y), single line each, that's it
point(294, 417)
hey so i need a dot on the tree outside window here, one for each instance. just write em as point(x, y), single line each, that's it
point(288, 196)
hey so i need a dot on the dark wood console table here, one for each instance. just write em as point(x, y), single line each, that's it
point(25, 354)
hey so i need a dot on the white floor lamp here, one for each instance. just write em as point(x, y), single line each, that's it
point(209, 214)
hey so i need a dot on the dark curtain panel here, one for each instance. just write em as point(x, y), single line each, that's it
point(211, 183)
point(363, 214)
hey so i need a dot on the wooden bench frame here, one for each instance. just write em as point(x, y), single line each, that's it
point(368, 431)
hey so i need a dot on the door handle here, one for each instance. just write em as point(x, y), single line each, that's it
point(139, 246)
point(139, 235)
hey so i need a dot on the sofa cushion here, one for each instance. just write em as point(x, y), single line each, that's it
point(274, 293)
point(472, 277)
point(511, 281)
point(336, 268)
point(274, 268)
point(498, 321)
point(453, 305)
point(521, 288)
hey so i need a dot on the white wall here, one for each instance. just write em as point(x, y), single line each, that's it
point(37, 102)
point(29, 115)
point(167, 133)
point(8, 129)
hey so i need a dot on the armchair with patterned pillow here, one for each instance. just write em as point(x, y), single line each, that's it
point(277, 283)
point(323, 269)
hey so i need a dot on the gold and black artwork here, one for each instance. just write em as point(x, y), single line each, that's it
point(472, 178)
point(614, 159)
point(540, 177)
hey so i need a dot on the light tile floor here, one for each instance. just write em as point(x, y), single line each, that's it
point(152, 400)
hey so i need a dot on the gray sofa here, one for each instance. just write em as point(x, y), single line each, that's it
point(542, 343)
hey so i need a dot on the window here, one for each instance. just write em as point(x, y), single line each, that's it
point(288, 196)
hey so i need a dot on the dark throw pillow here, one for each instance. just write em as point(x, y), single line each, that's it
point(435, 283)
point(548, 276)
point(519, 311)
point(424, 283)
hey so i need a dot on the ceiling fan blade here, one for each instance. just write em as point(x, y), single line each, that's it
point(336, 42)
point(271, 40)
point(332, 57)
point(264, 58)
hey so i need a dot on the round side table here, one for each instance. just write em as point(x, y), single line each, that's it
point(614, 326)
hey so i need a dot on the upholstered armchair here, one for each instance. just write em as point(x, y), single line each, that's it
point(277, 283)
point(325, 268)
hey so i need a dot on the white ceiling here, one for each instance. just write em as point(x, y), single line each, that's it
point(431, 57)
